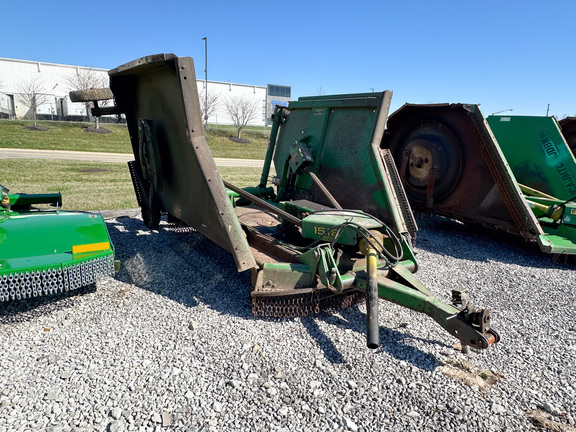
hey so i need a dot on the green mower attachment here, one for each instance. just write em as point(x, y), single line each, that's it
point(510, 173)
point(545, 169)
point(46, 251)
point(333, 228)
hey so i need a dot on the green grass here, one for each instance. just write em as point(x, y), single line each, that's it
point(84, 185)
point(242, 177)
point(232, 129)
point(223, 147)
point(91, 185)
point(71, 136)
point(104, 186)
point(64, 136)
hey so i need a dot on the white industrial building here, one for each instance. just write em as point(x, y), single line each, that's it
point(54, 82)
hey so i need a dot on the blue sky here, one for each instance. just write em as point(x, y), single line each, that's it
point(504, 54)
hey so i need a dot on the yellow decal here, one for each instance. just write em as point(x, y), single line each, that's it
point(92, 247)
point(325, 233)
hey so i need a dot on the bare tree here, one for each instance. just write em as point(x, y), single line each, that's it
point(242, 110)
point(85, 79)
point(320, 92)
point(213, 103)
point(31, 94)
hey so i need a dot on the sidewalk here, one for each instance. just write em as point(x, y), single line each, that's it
point(6, 153)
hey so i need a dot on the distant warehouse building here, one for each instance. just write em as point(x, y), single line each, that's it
point(52, 82)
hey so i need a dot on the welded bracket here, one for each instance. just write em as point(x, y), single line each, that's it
point(321, 261)
point(300, 155)
point(460, 297)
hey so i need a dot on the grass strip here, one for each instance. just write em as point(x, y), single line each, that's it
point(71, 136)
point(91, 185)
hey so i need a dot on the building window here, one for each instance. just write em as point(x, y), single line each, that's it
point(277, 90)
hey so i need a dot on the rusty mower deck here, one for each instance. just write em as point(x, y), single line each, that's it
point(509, 173)
point(326, 232)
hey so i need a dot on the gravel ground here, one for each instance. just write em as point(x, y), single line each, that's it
point(170, 344)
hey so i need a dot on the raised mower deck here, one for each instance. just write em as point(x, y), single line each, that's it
point(48, 251)
point(303, 249)
point(509, 173)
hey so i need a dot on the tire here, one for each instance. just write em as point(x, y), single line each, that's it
point(90, 95)
point(151, 214)
point(431, 145)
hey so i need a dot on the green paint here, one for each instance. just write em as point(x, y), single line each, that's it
point(45, 238)
point(40, 241)
point(338, 227)
point(537, 153)
point(545, 169)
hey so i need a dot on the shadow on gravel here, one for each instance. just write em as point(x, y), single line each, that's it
point(183, 266)
point(445, 236)
point(324, 342)
point(392, 341)
point(191, 270)
point(395, 343)
point(19, 311)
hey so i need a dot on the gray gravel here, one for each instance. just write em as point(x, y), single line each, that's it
point(170, 344)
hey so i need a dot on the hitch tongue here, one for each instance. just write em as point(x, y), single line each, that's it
point(472, 327)
point(478, 319)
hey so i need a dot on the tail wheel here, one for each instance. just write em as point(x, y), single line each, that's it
point(429, 154)
point(149, 156)
point(151, 213)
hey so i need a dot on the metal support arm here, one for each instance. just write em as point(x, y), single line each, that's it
point(458, 322)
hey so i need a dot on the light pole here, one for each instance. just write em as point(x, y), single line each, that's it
point(498, 112)
point(205, 39)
